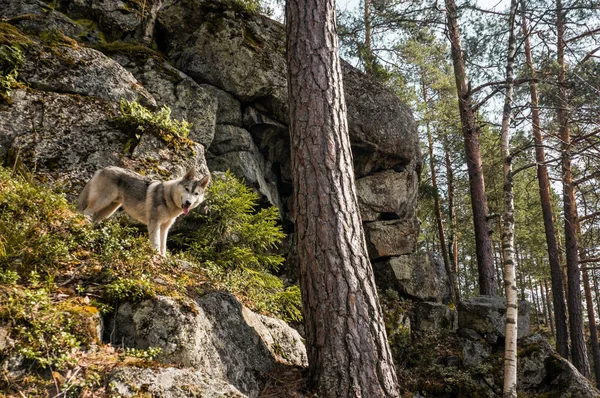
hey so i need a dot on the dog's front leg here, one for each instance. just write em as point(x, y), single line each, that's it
point(164, 231)
point(154, 232)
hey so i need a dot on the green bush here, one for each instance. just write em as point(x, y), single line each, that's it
point(137, 118)
point(235, 244)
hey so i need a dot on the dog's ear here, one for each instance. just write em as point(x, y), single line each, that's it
point(190, 175)
point(204, 181)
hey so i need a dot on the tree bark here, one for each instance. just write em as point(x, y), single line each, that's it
point(483, 232)
point(578, 347)
point(560, 309)
point(347, 344)
point(508, 230)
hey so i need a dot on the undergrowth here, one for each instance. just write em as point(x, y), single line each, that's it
point(138, 119)
point(59, 274)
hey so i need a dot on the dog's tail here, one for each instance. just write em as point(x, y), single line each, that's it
point(82, 201)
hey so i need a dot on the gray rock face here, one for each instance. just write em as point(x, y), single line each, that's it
point(187, 99)
point(542, 371)
point(83, 71)
point(474, 352)
point(229, 110)
point(487, 316)
point(421, 276)
point(433, 316)
point(65, 137)
point(169, 383)
point(391, 238)
point(215, 335)
point(387, 192)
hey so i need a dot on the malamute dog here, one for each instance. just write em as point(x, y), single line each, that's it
point(157, 204)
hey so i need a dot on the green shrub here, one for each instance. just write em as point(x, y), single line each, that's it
point(11, 59)
point(125, 289)
point(235, 246)
point(137, 118)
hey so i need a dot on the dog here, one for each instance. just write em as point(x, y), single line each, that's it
point(154, 203)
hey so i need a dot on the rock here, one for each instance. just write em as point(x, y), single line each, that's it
point(200, 39)
point(433, 316)
point(118, 19)
point(229, 110)
point(168, 383)
point(231, 139)
point(420, 276)
point(469, 334)
point(251, 167)
point(474, 352)
point(187, 100)
point(388, 193)
point(155, 158)
point(36, 17)
point(382, 128)
point(215, 334)
point(83, 71)
point(5, 341)
point(199, 36)
point(391, 238)
point(65, 138)
point(486, 315)
point(541, 371)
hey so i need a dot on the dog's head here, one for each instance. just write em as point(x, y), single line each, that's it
point(191, 190)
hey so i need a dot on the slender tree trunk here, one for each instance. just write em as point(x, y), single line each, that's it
point(578, 347)
point(347, 345)
point(436, 204)
point(591, 315)
point(596, 292)
point(508, 230)
point(560, 309)
point(592, 325)
point(549, 305)
point(483, 233)
point(543, 300)
point(534, 298)
point(367, 51)
point(453, 245)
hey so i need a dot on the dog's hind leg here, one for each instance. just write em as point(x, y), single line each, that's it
point(106, 212)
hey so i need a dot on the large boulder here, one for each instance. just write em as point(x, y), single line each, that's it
point(419, 276)
point(214, 334)
point(388, 194)
point(542, 372)
point(391, 238)
point(83, 71)
point(127, 382)
point(486, 315)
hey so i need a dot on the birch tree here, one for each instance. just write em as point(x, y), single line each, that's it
point(508, 231)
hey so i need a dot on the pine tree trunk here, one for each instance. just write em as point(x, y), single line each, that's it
point(543, 300)
point(578, 347)
point(347, 344)
point(508, 230)
point(560, 308)
point(483, 232)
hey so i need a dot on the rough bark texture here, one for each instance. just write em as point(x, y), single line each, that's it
point(508, 235)
point(578, 347)
point(347, 344)
point(483, 232)
point(558, 296)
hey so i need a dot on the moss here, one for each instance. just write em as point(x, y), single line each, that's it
point(10, 35)
point(56, 38)
point(132, 49)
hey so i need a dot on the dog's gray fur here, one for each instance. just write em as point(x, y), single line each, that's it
point(156, 204)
